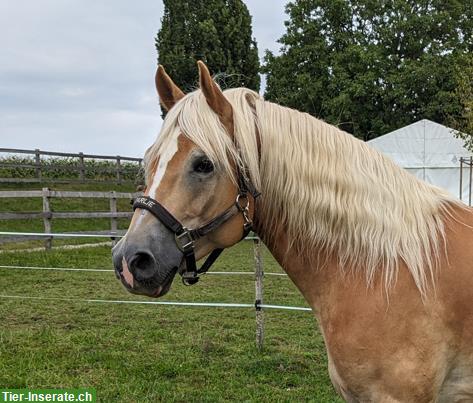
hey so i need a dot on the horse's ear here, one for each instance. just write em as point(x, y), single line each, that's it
point(169, 93)
point(215, 98)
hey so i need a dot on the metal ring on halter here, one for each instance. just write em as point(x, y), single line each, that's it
point(244, 211)
point(245, 197)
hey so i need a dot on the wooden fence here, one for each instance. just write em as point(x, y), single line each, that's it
point(47, 214)
point(78, 166)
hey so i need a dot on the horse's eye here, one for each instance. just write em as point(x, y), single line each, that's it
point(203, 166)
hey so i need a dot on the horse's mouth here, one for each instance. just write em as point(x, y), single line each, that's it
point(164, 288)
point(149, 288)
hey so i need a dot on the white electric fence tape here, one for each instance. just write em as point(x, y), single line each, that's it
point(171, 303)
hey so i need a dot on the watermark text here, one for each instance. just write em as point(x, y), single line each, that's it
point(48, 395)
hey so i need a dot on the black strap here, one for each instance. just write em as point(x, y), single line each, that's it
point(168, 220)
point(245, 185)
point(185, 237)
point(171, 223)
point(215, 222)
point(191, 277)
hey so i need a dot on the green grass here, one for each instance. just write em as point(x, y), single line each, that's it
point(143, 353)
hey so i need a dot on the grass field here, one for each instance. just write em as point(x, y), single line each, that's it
point(147, 353)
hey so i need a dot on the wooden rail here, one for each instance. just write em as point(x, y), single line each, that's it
point(117, 170)
point(47, 214)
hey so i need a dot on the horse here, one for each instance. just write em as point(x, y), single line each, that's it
point(383, 258)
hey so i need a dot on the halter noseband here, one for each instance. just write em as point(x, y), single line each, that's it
point(185, 237)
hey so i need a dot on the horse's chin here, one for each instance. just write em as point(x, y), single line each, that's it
point(160, 291)
point(153, 292)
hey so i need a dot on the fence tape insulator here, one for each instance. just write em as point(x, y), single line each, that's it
point(258, 305)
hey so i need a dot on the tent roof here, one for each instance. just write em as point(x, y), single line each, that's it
point(423, 144)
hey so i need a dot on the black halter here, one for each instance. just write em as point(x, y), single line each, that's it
point(185, 237)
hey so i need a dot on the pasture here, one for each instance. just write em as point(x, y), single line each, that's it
point(146, 353)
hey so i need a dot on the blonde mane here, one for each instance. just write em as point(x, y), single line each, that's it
point(331, 191)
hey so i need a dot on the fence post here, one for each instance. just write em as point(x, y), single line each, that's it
point(37, 159)
point(461, 178)
point(47, 217)
point(259, 274)
point(113, 219)
point(81, 167)
point(139, 170)
point(119, 169)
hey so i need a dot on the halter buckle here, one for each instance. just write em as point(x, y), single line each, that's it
point(248, 223)
point(185, 241)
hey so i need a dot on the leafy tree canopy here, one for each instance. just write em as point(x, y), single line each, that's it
point(371, 66)
point(217, 32)
point(463, 121)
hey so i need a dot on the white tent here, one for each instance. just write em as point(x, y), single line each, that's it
point(429, 151)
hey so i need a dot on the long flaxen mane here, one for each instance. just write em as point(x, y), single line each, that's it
point(331, 191)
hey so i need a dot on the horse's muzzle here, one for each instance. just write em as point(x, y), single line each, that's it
point(141, 272)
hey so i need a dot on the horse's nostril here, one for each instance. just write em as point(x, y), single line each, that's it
point(142, 265)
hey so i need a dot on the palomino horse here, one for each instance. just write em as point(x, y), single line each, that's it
point(384, 260)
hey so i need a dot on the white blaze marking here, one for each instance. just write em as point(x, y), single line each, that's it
point(163, 163)
point(164, 159)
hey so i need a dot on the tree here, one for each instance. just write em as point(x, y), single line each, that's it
point(463, 121)
point(371, 66)
point(217, 32)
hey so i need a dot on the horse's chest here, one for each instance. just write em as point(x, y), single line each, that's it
point(405, 375)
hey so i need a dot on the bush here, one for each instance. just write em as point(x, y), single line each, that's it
point(68, 168)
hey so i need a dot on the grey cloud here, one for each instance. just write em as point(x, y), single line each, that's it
point(79, 75)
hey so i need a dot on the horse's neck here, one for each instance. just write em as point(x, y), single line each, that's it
point(318, 277)
point(305, 273)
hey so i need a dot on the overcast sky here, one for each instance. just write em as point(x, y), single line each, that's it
point(78, 75)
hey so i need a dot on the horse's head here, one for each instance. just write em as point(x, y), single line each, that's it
point(195, 202)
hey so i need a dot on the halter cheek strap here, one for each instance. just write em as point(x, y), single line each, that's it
point(185, 237)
